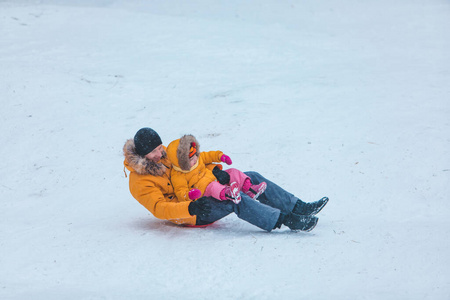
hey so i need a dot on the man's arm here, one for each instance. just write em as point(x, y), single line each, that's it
point(151, 197)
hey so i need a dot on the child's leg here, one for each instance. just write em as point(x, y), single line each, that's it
point(223, 192)
point(213, 190)
point(237, 176)
point(245, 184)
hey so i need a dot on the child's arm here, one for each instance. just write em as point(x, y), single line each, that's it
point(211, 156)
point(180, 186)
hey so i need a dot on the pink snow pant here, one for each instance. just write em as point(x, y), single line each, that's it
point(214, 188)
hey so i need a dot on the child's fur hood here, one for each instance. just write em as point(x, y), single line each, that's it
point(178, 151)
point(140, 164)
point(183, 151)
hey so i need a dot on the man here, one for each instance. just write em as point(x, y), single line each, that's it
point(146, 159)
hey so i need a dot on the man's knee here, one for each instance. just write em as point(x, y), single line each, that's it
point(252, 173)
point(254, 176)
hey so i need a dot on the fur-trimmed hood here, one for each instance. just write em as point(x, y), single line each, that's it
point(139, 164)
point(178, 151)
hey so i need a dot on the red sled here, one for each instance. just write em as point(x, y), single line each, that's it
point(198, 226)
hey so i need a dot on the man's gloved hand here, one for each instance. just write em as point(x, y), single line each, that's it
point(222, 176)
point(226, 159)
point(201, 208)
point(194, 194)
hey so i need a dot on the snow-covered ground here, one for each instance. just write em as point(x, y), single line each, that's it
point(346, 99)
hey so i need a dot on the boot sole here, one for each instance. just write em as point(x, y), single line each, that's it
point(312, 222)
point(316, 220)
point(260, 192)
point(315, 212)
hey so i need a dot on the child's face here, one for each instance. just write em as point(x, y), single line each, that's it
point(193, 160)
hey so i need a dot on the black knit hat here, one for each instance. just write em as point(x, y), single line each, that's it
point(146, 140)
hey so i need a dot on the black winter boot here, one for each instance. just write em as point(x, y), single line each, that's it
point(297, 222)
point(309, 209)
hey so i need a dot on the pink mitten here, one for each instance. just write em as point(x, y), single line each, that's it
point(226, 159)
point(194, 194)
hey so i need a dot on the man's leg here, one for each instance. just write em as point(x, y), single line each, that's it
point(254, 212)
point(279, 198)
point(274, 195)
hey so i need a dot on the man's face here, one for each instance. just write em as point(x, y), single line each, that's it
point(156, 154)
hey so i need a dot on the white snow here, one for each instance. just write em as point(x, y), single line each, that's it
point(346, 99)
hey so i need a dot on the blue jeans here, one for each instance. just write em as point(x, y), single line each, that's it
point(263, 213)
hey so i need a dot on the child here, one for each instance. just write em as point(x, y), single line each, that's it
point(192, 177)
